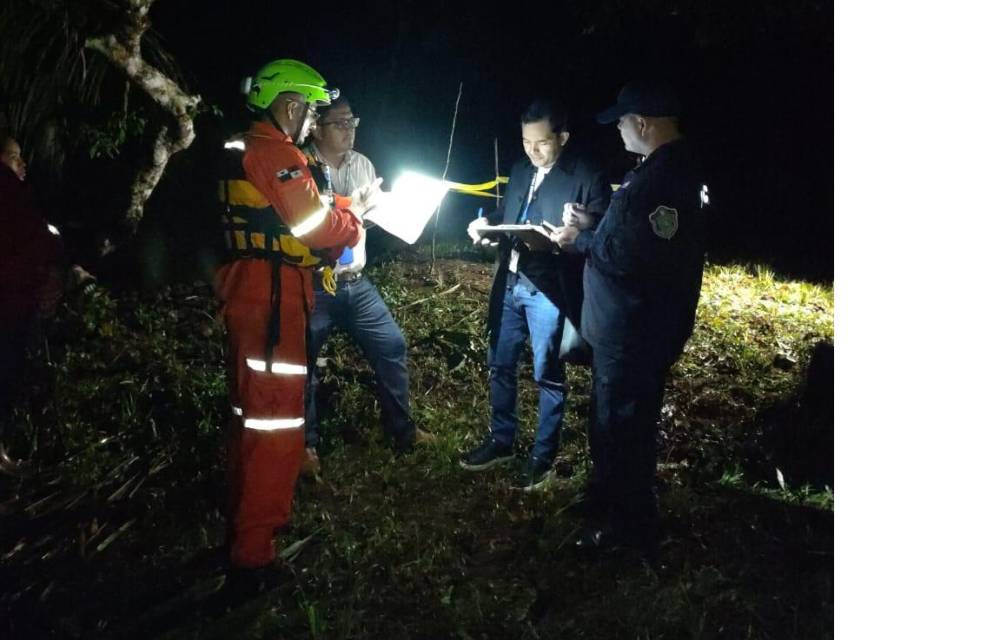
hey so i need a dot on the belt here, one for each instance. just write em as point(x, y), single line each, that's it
point(349, 276)
point(345, 277)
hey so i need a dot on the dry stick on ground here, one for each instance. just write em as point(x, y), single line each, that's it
point(444, 176)
point(126, 54)
point(430, 297)
point(463, 319)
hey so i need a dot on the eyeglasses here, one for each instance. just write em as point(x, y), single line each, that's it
point(346, 123)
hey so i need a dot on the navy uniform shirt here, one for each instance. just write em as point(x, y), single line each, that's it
point(645, 259)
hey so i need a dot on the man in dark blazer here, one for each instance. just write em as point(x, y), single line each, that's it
point(534, 292)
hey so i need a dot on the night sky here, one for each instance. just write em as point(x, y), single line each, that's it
point(756, 82)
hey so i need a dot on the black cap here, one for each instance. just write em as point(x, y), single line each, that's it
point(644, 99)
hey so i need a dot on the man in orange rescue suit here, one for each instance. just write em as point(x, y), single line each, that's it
point(274, 217)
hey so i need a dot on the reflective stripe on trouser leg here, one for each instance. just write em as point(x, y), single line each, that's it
point(277, 368)
point(268, 441)
point(268, 424)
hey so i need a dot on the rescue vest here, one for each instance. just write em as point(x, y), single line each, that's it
point(253, 229)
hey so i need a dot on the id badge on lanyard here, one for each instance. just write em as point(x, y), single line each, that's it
point(515, 255)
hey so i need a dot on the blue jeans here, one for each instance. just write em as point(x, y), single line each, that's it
point(528, 313)
point(359, 309)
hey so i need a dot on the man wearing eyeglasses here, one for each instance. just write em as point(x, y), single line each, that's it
point(357, 306)
point(332, 144)
point(274, 216)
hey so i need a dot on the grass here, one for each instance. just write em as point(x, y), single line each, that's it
point(124, 413)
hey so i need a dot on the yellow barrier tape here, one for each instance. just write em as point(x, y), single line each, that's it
point(472, 188)
point(481, 188)
point(480, 194)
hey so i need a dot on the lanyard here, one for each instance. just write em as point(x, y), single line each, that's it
point(530, 198)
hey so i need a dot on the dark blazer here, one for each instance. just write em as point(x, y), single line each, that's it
point(558, 276)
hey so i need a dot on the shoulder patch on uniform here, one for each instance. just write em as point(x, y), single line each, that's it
point(665, 222)
point(290, 173)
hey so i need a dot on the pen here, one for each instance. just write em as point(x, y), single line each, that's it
point(482, 241)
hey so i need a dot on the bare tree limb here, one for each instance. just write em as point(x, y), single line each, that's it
point(126, 54)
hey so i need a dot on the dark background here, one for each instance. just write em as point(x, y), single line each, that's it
point(756, 80)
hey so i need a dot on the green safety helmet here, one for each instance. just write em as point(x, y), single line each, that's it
point(287, 76)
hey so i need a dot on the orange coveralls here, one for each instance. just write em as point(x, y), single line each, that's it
point(266, 438)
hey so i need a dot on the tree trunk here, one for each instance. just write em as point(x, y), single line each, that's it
point(126, 54)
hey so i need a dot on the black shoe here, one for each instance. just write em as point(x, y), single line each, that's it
point(610, 537)
point(486, 455)
point(208, 561)
point(402, 446)
point(240, 586)
point(245, 584)
point(534, 475)
point(598, 538)
point(591, 503)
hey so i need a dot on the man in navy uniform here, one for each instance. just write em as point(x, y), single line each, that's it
point(534, 292)
point(642, 280)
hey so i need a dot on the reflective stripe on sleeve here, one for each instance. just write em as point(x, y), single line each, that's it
point(312, 221)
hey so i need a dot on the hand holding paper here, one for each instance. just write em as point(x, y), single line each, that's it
point(367, 197)
point(477, 238)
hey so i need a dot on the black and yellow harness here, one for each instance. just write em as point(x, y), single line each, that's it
point(253, 229)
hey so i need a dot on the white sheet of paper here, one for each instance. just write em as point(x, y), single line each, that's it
point(405, 210)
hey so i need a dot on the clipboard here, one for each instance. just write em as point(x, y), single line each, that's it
point(536, 237)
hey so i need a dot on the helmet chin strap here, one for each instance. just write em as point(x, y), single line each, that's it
point(298, 129)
